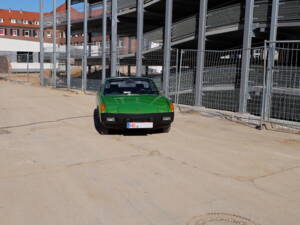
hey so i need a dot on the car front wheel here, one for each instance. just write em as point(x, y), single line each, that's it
point(166, 129)
point(98, 125)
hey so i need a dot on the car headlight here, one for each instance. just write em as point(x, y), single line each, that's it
point(110, 119)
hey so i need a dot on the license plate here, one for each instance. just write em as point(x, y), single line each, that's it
point(141, 125)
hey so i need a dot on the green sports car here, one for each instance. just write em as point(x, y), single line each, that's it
point(132, 103)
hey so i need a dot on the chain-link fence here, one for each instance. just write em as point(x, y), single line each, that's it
point(21, 61)
point(23, 66)
point(221, 79)
point(281, 102)
point(184, 77)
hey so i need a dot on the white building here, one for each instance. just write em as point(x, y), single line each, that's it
point(22, 54)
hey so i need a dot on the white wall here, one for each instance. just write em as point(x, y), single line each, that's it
point(31, 66)
point(7, 44)
point(12, 45)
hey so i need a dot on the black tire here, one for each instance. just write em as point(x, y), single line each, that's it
point(98, 125)
point(166, 129)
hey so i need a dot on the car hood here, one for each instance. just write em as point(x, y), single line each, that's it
point(136, 104)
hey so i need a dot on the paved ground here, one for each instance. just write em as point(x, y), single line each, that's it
point(55, 169)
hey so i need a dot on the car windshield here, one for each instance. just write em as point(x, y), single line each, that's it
point(128, 86)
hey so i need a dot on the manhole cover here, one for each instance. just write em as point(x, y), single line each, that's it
point(220, 219)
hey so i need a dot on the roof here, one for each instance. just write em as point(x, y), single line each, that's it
point(61, 12)
point(7, 15)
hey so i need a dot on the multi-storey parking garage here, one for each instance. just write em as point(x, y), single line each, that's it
point(225, 22)
point(209, 53)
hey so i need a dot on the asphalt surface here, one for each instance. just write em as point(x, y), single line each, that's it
point(55, 168)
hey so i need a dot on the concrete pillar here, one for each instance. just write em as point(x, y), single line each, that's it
point(85, 34)
point(68, 37)
point(140, 37)
point(201, 52)
point(270, 63)
point(114, 38)
point(167, 46)
point(54, 45)
point(247, 43)
point(104, 29)
point(42, 76)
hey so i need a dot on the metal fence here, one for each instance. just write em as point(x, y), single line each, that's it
point(281, 102)
point(21, 61)
point(273, 93)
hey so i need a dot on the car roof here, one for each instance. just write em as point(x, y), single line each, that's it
point(130, 77)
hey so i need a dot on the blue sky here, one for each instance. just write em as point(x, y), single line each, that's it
point(28, 5)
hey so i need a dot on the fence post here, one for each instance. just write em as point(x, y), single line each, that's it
point(263, 105)
point(179, 78)
point(176, 76)
point(82, 64)
point(27, 66)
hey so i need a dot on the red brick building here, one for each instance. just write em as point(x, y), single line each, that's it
point(18, 24)
point(22, 25)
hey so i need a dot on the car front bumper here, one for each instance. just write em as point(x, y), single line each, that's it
point(121, 120)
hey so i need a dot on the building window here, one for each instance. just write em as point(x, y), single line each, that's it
point(25, 21)
point(14, 33)
point(2, 31)
point(121, 43)
point(26, 33)
point(13, 20)
point(23, 57)
point(1, 20)
point(35, 33)
point(49, 34)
